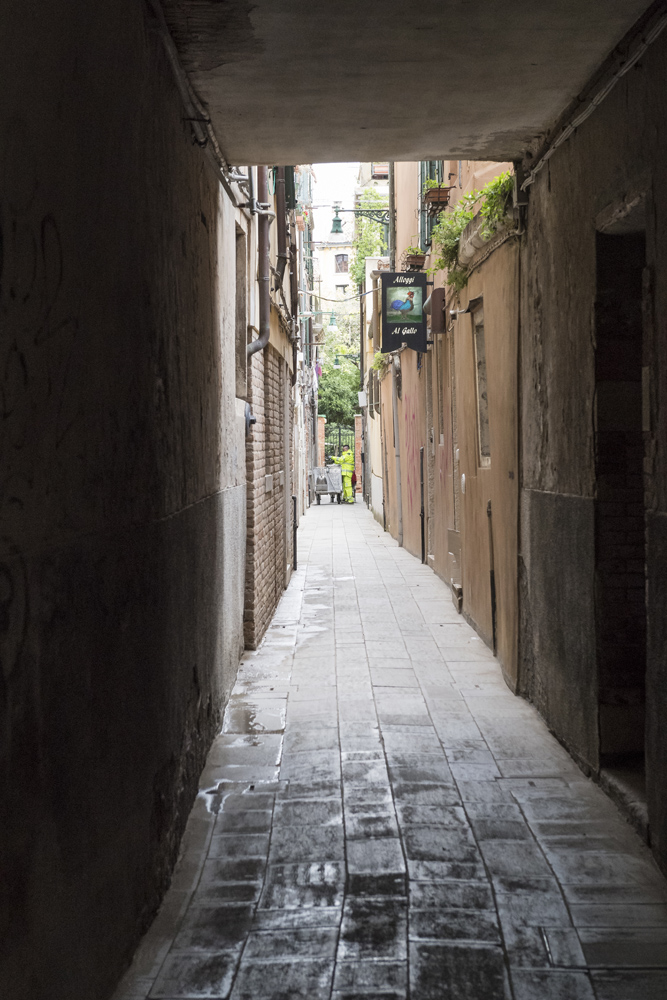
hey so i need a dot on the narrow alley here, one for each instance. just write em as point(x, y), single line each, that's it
point(381, 817)
point(333, 500)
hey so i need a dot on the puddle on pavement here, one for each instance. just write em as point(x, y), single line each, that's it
point(254, 718)
point(246, 740)
point(214, 798)
point(255, 675)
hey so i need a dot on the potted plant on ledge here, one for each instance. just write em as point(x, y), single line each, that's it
point(414, 258)
point(435, 195)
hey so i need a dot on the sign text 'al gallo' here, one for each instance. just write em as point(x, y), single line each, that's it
point(403, 319)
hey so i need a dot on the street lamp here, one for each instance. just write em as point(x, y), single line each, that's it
point(379, 214)
point(337, 222)
point(350, 357)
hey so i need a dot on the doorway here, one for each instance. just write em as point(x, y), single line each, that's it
point(620, 591)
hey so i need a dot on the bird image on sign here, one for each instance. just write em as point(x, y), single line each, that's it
point(404, 305)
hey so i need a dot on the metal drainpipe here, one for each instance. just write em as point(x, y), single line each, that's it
point(362, 375)
point(294, 305)
point(397, 448)
point(264, 275)
point(295, 526)
point(392, 218)
point(362, 337)
point(281, 212)
point(492, 579)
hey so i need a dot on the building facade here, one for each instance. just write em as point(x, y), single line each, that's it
point(533, 427)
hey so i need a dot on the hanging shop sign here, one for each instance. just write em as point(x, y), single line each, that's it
point(403, 319)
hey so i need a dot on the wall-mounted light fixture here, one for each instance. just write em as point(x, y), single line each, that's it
point(350, 357)
point(336, 222)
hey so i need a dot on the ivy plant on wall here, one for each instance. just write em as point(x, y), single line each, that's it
point(495, 197)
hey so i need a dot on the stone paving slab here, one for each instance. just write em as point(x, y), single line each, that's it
point(381, 818)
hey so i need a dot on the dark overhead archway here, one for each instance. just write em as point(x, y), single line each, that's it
point(290, 81)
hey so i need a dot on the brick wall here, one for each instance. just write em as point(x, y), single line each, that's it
point(269, 544)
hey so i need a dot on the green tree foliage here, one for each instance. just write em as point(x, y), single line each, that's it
point(347, 335)
point(337, 393)
point(369, 238)
point(338, 387)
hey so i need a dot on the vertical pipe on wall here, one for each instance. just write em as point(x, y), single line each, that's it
point(252, 204)
point(281, 225)
point(264, 268)
point(362, 377)
point(397, 448)
point(294, 530)
point(362, 335)
point(392, 218)
point(492, 578)
point(421, 512)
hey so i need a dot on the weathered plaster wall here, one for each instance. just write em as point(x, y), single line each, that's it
point(622, 147)
point(557, 669)
point(407, 195)
point(123, 495)
point(374, 442)
point(496, 282)
point(388, 455)
point(411, 411)
point(443, 521)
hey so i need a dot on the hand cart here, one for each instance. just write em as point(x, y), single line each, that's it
point(325, 480)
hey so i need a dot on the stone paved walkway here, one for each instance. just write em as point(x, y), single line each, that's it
point(382, 818)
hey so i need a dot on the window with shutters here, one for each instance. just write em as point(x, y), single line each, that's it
point(342, 263)
point(428, 170)
point(483, 438)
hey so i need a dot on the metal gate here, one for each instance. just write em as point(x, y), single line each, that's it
point(335, 436)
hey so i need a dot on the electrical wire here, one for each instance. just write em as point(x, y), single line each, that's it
point(597, 99)
point(323, 298)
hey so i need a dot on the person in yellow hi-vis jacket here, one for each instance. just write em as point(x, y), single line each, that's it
point(346, 462)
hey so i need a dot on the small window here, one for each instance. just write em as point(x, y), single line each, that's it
point(379, 171)
point(341, 288)
point(483, 438)
point(342, 263)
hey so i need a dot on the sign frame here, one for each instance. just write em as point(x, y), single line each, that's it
point(398, 329)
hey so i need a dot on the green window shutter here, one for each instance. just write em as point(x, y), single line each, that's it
point(428, 170)
point(290, 189)
point(424, 234)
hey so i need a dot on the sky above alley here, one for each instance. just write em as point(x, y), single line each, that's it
point(333, 182)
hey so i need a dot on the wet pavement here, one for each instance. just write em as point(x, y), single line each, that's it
point(382, 818)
